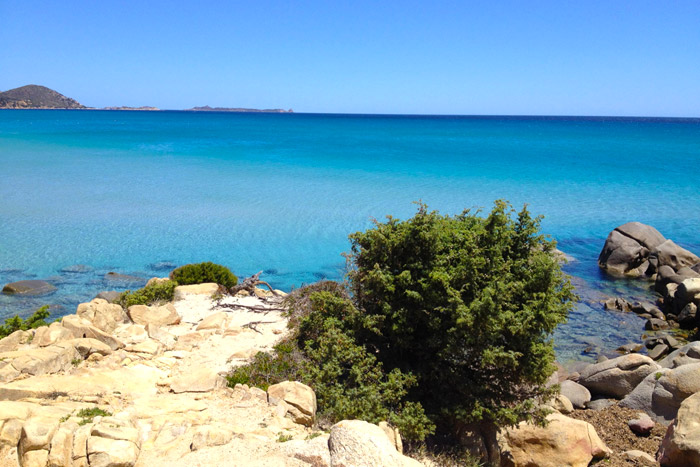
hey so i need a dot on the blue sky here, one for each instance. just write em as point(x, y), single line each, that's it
point(435, 57)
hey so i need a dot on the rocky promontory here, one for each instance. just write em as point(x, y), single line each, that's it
point(36, 97)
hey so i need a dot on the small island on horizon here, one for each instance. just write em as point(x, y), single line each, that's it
point(34, 96)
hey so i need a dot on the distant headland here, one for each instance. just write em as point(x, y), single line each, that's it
point(40, 97)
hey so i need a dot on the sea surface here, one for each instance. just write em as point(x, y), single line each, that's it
point(83, 193)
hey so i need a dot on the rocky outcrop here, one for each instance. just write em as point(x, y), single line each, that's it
point(681, 445)
point(156, 315)
point(356, 443)
point(617, 377)
point(295, 400)
point(102, 314)
point(563, 442)
point(29, 287)
point(628, 247)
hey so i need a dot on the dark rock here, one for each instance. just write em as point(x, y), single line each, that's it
point(30, 287)
point(688, 316)
point(672, 342)
point(648, 309)
point(641, 426)
point(658, 351)
point(78, 269)
point(599, 404)
point(619, 304)
point(654, 324)
point(630, 348)
point(111, 295)
point(116, 277)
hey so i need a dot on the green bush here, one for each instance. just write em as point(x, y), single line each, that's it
point(467, 305)
point(37, 319)
point(88, 415)
point(155, 293)
point(204, 272)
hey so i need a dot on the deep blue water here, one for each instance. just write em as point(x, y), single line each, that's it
point(122, 191)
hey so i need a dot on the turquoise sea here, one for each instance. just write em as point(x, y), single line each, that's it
point(139, 192)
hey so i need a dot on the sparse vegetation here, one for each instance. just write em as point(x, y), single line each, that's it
point(37, 319)
point(200, 273)
point(76, 361)
point(149, 295)
point(88, 415)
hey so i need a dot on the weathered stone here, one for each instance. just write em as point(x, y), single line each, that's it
point(641, 426)
point(115, 428)
point(78, 269)
point(639, 457)
point(89, 346)
point(630, 348)
point(111, 296)
point(564, 441)
point(38, 458)
point(576, 393)
point(208, 289)
point(10, 433)
point(562, 404)
point(30, 287)
point(356, 443)
point(314, 452)
point(217, 321)
point(622, 255)
point(681, 445)
point(61, 452)
point(42, 361)
point(160, 335)
point(102, 314)
point(205, 436)
point(688, 317)
point(599, 404)
point(49, 335)
point(617, 377)
point(157, 281)
point(37, 433)
point(10, 410)
point(14, 340)
point(84, 329)
point(103, 452)
point(200, 380)
point(124, 278)
point(658, 351)
point(655, 324)
point(80, 438)
point(300, 397)
point(670, 254)
point(689, 353)
point(619, 304)
point(641, 397)
point(672, 388)
point(149, 346)
point(393, 434)
point(157, 315)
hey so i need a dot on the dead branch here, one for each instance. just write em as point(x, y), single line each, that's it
point(249, 284)
point(256, 309)
point(253, 325)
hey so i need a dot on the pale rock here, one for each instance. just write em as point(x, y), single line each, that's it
point(208, 289)
point(356, 443)
point(641, 426)
point(80, 438)
point(88, 346)
point(639, 457)
point(51, 359)
point(115, 428)
point(103, 452)
point(10, 410)
point(158, 315)
point(38, 458)
point(61, 452)
point(672, 388)
point(681, 445)
point(218, 322)
point(562, 404)
point(11, 432)
point(393, 434)
point(14, 340)
point(689, 353)
point(314, 451)
point(205, 436)
point(49, 335)
point(161, 335)
point(563, 442)
point(188, 341)
point(37, 433)
point(300, 398)
point(84, 329)
point(617, 377)
point(157, 281)
point(199, 380)
point(102, 314)
point(149, 346)
point(133, 333)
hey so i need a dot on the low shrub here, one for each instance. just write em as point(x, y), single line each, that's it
point(159, 292)
point(88, 415)
point(37, 319)
point(200, 273)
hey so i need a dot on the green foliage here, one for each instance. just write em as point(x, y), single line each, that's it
point(158, 292)
point(269, 368)
point(282, 438)
point(88, 415)
point(200, 273)
point(465, 304)
point(37, 319)
point(76, 361)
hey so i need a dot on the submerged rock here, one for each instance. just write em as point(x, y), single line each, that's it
point(28, 287)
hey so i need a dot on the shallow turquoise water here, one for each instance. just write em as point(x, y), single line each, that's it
point(121, 191)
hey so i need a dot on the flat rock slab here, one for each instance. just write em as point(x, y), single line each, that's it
point(29, 287)
point(201, 380)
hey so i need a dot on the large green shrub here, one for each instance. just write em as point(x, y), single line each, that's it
point(467, 305)
point(149, 295)
point(37, 319)
point(200, 273)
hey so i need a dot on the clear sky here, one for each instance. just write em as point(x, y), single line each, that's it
point(553, 57)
